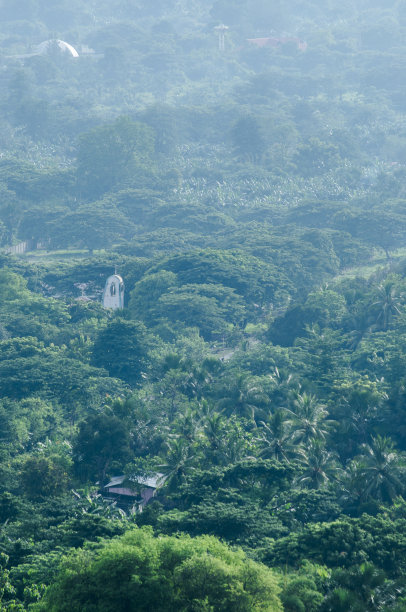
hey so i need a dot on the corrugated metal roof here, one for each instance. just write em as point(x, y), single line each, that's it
point(151, 481)
point(114, 482)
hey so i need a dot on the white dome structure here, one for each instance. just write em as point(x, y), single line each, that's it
point(48, 45)
point(113, 294)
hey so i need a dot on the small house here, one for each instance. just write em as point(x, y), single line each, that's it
point(138, 490)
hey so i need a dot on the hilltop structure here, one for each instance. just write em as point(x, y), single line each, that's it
point(49, 47)
point(113, 294)
point(221, 29)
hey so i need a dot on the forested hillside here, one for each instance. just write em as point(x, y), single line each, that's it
point(249, 185)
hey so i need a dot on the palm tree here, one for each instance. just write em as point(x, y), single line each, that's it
point(243, 397)
point(352, 484)
point(228, 441)
point(205, 374)
point(188, 425)
point(387, 304)
point(276, 437)
point(360, 410)
point(320, 466)
point(381, 470)
point(360, 325)
point(214, 430)
point(308, 419)
point(343, 600)
point(284, 384)
point(359, 589)
point(179, 461)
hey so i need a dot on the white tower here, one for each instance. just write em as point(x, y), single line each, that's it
point(221, 29)
point(113, 294)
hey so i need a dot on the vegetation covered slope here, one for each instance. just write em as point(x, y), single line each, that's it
point(253, 200)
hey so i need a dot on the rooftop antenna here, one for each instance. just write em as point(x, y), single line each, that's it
point(221, 29)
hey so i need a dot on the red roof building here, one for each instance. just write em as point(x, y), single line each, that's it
point(276, 42)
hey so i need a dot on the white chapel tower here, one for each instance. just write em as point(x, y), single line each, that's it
point(113, 294)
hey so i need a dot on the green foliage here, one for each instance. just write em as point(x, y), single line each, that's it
point(28, 368)
point(359, 588)
point(213, 308)
point(43, 477)
point(5, 586)
point(247, 139)
point(121, 348)
point(102, 439)
point(301, 594)
point(315, 157)
point(234, 502)
point(380, 470)
point(107, 153)
point(344, 543)
point(254, 199)
point(140, 572)
point(246, 274)
point(92, 226)
point(319, 465)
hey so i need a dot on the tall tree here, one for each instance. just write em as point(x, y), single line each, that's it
point(107, 155)
point(140, 573)
point(244, 395)
point(102, 439)
point(381, 470)
point(121, 348)
point(247, 138)
point(320, 465)
point(275, 437)
point(387, 305)
point(308, 419)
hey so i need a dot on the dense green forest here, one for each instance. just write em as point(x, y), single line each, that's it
point(252, 195)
